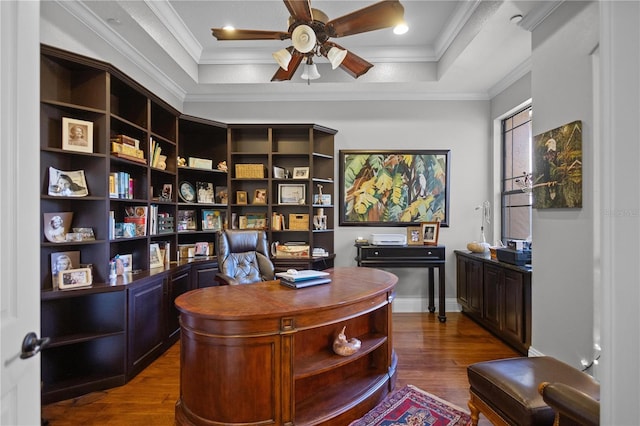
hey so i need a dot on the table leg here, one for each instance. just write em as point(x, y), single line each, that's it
point(441, 296)
point(432, 306)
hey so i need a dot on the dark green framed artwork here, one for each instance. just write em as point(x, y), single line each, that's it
point(394, 188)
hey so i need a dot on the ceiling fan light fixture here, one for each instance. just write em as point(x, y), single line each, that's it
point(304, 38)
point(336, 56)
point(401, 28)
point(282, 57)
point(310, 72)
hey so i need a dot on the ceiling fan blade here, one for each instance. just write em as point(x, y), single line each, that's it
point(299, 9)
point(223, 34)
point(281, 74)
point(353, 64)
point(380, 15)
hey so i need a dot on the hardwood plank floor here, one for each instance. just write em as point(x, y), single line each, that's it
point(431, 355)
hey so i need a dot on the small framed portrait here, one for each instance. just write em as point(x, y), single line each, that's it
point(155, 256)
point(414, 235)
point(126, 261)
point(211, 220)
point(202, 249)
point(278, 172)
point(205, 192)
point(241, 197)
point(63, 261)
point(430, 233)
point(77, 135)
point(67, 184)
point(167, 192)
point(222, 195)
point(73, 278)
point(301, 173)
point(57, 226)
point(187, 220)
point(260, 196)
point(291, 193)
point(86, 234)
point(187, 192)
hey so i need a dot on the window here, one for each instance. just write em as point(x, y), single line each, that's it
point(517, 163)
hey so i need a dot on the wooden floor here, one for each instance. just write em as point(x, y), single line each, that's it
point(431, 355)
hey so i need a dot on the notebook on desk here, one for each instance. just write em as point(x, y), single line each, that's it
point(303, 275)
point(304, 283)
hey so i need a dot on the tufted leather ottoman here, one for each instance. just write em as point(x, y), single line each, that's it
point(506, 390)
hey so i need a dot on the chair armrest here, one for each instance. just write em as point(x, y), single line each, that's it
point(224, 279)
point(570, 403)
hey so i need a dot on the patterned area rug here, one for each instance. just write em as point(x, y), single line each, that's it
point(414, 407)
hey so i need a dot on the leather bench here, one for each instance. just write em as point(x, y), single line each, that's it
point(505, 391)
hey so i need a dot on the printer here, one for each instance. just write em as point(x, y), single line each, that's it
point(388, 239)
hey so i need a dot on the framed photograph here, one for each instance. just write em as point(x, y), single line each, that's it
point(278, 172)
point(57, 226)
point(167, 192)
point(67, 184)
point(73, 278)
point(222, 195)
point(414, 235)
point(86, 234)
point(63, 261)
point(205, 192)
point(187, 220)
point(260, 196)
point(187, 192)
point(155, 256)
point(291, 193)
point(415, 187)
point(211, 220)
point(301, 173)
point(241, 197)
point(127, 262)
point(202, 249)
point(77, 135)
point(322, 199)
point(256, 221)
point(430, 232)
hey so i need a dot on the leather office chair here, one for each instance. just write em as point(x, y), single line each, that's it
point(243, 257)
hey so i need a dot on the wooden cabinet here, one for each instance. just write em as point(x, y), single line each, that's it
point(203, 274)
point(290, 374)
point(179, 283)
point(304, 154)
point(497, 295)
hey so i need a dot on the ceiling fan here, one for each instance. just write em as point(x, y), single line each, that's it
point(310, 30)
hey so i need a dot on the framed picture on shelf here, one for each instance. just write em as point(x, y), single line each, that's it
point(222, 195)
point(414, 235)
point(241, 197)
point(260, 196)
point(167, 192)
point(211, 220)
point(256, 221)
point(155, 256)
point(67, 184)
point(127, 262)
point(63, 261)
point(291, 193)
point(278, 172)
point(301, 173)
point(416, 187)
point(86, 234)
point(205, 192)
point(77, 135)
point(202, 249)
point(430, 232)
point(187, 192)
point(57, 225)
point(187, 220)
point(72, 278)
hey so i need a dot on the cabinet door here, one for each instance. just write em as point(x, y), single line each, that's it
point(179, 283)
point(146, 324)
point(462, 289)
point(493, 296)
point(474, 286)
point(204, 275)
point(513, 318)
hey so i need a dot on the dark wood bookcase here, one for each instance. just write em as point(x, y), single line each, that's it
point(103, 335)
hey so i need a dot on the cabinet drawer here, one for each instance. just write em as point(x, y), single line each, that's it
point(400, 253)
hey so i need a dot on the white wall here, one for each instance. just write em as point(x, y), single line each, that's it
point(462, 126)
point(562, 82)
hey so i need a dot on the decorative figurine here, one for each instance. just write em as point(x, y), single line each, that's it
point(320, 201)
point(182, 162)
point(344, 347)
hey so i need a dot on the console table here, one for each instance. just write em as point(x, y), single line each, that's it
point(262, 353)
point(430, 257)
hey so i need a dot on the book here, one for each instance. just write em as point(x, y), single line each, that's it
point(305, 283)
point(138, 216)
point(303, 275)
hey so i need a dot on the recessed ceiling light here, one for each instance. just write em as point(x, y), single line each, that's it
point(516, 18)
point(113, 21)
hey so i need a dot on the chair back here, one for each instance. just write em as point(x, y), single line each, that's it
point(243, 256)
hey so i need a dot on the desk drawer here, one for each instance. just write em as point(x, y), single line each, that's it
point(402, 253)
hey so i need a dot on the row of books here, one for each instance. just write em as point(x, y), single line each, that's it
point(121, 185)
point(155, 156)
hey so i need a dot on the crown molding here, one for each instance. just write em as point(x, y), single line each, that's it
point(174, 24)
point(461, 15)
point(539, 14)
point(516, 74)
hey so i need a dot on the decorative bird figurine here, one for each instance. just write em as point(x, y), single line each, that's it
point(344, 347)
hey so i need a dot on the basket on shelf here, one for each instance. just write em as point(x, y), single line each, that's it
point(299, 222)
point(250, 171)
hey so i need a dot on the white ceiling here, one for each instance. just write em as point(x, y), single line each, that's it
point(454, 49)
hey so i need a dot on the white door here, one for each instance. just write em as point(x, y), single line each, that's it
point(19, 209)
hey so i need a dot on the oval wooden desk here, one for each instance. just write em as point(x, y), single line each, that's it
point(262, 353)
